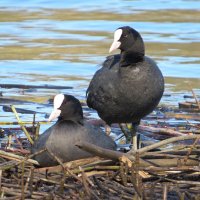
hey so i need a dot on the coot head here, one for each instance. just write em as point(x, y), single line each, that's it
point(129, 41)
point(66, 107)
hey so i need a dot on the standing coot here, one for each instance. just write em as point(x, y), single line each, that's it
point(129, 85)
point(70, 128)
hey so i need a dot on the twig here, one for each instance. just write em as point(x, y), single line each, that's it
point(63, 167)
point(162, 131)
point(123, 173)
point(2, 193)
point(170, 162)
point(107, 153)
point(197, 183)
point(99, 151)
point(165, 192)
point(22, 182)
point(22, 123)
point(31, 180)
point(83, 175)
point(16, 162)
point(28, 180)
point(161, 169)
point(71, 165)
point(122, 191)
point(33, 126)
point(101, 187)
point(8, 145)
point(22, 126)
point(67, 186)
point(164, 142)
point(195, 97)
point(20, 144)
point(172, 152)
point(12, 156)
point(136, 180)
point(37, 131)
point(190, 150)
point(85, 179)
point(17, 193)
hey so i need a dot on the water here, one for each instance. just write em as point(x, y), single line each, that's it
point(63, 43)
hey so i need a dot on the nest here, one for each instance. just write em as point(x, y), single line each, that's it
point(155, 171)
point(141, 174)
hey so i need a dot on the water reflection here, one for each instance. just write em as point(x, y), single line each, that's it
point(114, 5)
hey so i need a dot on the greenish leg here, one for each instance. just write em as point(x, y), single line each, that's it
point(134, 137)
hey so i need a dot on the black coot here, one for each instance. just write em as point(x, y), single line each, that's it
point(70, 128)
point(129, 85)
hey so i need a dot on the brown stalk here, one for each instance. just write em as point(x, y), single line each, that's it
point(22, 182)
point(164, 142)
point(196, 99)
point(165, 192)
point(190, 150)
point(22, 126)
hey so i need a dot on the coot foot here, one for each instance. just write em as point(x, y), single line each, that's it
point(123, 128)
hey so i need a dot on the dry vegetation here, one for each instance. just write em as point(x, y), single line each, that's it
point(166, 169)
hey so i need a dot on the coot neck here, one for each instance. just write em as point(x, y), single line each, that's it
point(130, 57)
point(74, 119)
point(132, 54)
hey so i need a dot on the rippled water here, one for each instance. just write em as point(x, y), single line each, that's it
point(63, 43)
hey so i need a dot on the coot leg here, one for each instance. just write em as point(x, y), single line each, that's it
point(135, 139)
point(123, 128)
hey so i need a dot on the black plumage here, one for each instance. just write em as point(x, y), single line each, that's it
point(129, 85)
point(70, 128)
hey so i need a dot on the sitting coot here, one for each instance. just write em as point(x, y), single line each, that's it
point(129, 85)
point(70, 128)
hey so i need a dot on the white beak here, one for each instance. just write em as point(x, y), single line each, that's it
point(54, 114)
point(58, 100)
point(116, 43)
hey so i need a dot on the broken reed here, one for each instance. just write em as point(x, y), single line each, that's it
point(97, 179)
point(22, 124)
